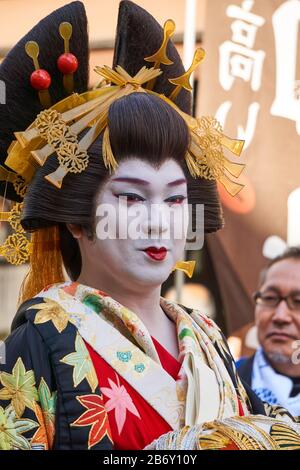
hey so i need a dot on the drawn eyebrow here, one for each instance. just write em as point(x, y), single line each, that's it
point(142, 182)
point(177, 182)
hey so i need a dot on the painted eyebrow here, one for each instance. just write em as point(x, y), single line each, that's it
point(145, 183)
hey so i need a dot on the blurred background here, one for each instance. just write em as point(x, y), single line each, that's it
point(250, 80)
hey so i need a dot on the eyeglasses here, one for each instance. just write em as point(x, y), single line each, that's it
point(272, 300)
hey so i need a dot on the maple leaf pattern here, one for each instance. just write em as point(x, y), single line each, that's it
point(82, 363)
point(11, 430)
point(51, 311)
point(95, 416)
point(48, 406)
point(19, 387)
point(40, 436)
point(120, 401)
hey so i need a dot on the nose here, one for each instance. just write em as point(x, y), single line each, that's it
point(282, 313)
point(157, 222)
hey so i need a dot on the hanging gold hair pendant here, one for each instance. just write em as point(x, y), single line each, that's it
point(186, 266)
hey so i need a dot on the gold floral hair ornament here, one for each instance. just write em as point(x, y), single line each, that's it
point(43, 251)
point(57, 129)
point(206, 159)
point(16, 249)
point(18, 182)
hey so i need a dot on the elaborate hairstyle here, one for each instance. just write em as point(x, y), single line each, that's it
point(138, 36)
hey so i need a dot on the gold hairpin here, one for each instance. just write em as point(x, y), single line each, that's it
point(40, 79)
point(16, 249)
point(67, 62)
point(186, 266)
point(205, 157)
point(160, 56)
point(56, 130)
point(184, 80)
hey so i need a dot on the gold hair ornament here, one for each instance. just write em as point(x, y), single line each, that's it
point(17, 181)
point(57, 129)
point(32, 50)
point(186, 266)
point(16, 248)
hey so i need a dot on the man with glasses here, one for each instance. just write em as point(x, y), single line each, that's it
point(274, 370)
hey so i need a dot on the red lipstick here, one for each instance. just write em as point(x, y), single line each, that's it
point(158, 254)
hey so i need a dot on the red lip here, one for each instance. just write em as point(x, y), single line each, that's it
point(158, 254)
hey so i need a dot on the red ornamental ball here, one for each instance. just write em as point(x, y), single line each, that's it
point(67, 63)
point(40, 79)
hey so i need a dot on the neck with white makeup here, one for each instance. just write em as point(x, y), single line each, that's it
point(145, 303)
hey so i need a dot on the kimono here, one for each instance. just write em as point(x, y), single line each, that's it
point(82, 372)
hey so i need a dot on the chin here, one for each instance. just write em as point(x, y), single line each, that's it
point(147, 279)
point(278, 349)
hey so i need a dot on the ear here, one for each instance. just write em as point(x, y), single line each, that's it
point(76, 230)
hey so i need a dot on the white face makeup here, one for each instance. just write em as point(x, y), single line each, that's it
point(155, 193)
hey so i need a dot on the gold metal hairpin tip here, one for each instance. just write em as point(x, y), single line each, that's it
point(65, 30)
point(32, 50)
point(40, 79)
point(184, 80)
point(70, 66)
point(160, 56)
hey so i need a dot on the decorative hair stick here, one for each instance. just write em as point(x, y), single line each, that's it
point(67, 62)
point(40, 79)
point(160, 57)
point(184, 80)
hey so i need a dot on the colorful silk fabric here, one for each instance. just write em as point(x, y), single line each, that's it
point(79, 365)
point(203, 391)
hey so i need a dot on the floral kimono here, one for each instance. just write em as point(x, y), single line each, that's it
point(83, 372)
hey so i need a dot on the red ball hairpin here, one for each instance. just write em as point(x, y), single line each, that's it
point(67, 63)
point(40, 79)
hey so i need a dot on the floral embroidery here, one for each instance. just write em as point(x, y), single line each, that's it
point(96, 416)
point(19, 387)
point(40, 437)
point(48, 405)
point(139, 368)
point(127, 361)
point(120, 401)
point(82, 363)
point(11, 430)
point(124, 356)
point(51, 311)
point(207, 320)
